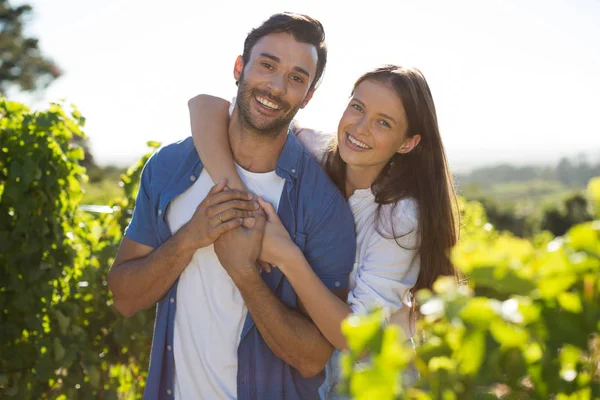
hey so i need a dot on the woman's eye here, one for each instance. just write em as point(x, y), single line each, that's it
point(357, 107)
point(384, 123)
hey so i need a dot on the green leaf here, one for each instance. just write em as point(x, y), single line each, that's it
point(585, 237)
point(594, 189)
point(479, 312)
point(508, 335)
point(59, 350)
point(570, 302)
point(63, 322)
point(472, 353)
point(361, 329)
point(552, 287)
point(441, 363)
point(76, 153)
point(533, 353)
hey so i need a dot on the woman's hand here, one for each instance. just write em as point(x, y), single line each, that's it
point(276, 242)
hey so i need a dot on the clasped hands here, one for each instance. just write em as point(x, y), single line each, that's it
point(245, 229)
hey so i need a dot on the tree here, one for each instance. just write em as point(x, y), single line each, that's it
point(573, 210)
point(565, 171)
point(22, 63)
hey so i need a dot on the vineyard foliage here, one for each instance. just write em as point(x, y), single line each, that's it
point(526, 323)
point(60, 336)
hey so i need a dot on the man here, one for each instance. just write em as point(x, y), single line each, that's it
point(223, 329)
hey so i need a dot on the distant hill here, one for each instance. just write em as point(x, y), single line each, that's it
point(572, 172)
point(462, 161)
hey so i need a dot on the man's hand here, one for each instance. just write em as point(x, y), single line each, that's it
point(238, 249)
point(220, 211)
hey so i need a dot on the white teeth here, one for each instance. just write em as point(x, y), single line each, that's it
point(357, 142)
point(267, 103)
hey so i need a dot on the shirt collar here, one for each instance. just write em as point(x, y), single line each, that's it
point(288, 163)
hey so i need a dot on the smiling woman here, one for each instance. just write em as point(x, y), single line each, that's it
point(372, 129)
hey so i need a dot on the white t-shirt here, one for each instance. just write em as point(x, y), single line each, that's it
point(210, 310)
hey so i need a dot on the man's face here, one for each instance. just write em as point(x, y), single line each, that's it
point(275, 83)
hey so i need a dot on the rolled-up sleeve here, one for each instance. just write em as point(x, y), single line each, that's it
point(389, 268)
point(141, 227)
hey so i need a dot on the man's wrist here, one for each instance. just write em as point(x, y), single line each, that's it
point(245, 276)
point(184, 241)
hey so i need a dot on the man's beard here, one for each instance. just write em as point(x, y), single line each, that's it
point(246, 96)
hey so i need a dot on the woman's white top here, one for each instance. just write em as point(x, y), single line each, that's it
point(387, 264)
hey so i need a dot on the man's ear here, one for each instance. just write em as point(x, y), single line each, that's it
point(409, 144)
point(309, 96)
point(238, 68)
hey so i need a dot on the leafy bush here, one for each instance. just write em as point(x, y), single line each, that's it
point(526, 325)
point(61, 337)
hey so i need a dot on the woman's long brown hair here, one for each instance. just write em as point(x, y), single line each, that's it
point(421, 174)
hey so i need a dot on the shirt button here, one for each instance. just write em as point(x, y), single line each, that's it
point(169, 392)
point(169, 348)
point(159, 212)
point(337, 284)
point(172, 300)
point(192, 178)
point(293, 170)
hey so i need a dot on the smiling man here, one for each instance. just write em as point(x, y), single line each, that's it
point(223, 329)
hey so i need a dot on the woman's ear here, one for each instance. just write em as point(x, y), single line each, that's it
point(409, 144)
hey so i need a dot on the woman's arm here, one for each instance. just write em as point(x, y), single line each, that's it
point(388, 271)
point(209, 119)
point(325, 309)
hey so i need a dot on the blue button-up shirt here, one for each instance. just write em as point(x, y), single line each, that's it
point(319, 221)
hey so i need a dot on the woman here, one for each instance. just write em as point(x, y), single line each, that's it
point(389, 161)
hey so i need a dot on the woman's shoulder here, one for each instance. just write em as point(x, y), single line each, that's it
point(403, 209)
point(400, 218)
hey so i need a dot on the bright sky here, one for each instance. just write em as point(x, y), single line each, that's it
point(512, 80)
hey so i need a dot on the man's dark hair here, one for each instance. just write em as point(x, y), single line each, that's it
point(302, 27)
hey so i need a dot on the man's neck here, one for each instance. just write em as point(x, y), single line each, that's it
point(251, 150)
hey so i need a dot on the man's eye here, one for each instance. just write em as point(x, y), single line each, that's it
point(297, 79)
point(357, 107)
point(266, 65)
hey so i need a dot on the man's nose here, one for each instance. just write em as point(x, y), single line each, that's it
point(277, 84)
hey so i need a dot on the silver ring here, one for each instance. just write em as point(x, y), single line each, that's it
point(220, 218)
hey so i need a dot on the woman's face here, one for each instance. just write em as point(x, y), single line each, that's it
point(372, 128)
